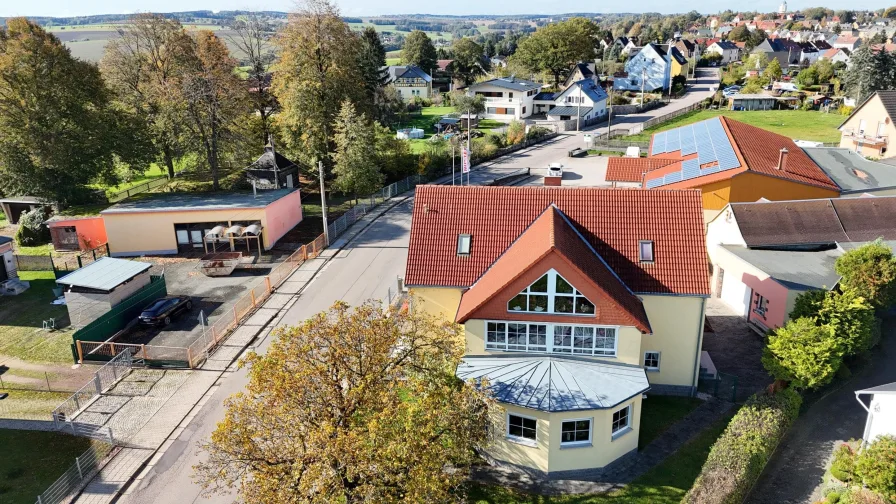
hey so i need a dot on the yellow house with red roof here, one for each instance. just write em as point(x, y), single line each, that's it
point(574, 301)
point(729, 161)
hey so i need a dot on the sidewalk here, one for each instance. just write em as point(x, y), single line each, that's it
point(144, 443)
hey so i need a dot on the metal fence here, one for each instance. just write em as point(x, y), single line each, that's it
point(722, 385)
point(665, 117)
point(368, 202)
point(146, 186)
point(86, 466)
point(103, 379)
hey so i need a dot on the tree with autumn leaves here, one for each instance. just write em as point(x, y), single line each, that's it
point(354, 405)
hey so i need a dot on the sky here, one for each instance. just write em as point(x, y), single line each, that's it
point(65, 8)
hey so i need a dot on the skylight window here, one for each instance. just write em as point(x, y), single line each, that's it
point(464, 243)
point(645, 251)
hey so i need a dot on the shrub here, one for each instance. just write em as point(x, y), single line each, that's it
point(843, 463)
point(850, 316)
point(870, 270)
point(876, 466)
point(33, 229)
point(803, 353)
point(619, 99)
point(537, 132)
point(516, 132)
point(737, 458)
point(861, 496)
point(833, 498)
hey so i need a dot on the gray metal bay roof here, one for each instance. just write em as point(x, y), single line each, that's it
point(888, 388)
point(570, 110)
point(796, 270)
point(851, 171)
point(555, 383)
point(105, 274)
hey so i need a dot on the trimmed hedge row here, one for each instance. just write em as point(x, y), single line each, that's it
point(739, 455)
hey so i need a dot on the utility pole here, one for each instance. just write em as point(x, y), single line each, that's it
point(643, 78)
point(453, 148)
point(323, 201)
point(579, 108)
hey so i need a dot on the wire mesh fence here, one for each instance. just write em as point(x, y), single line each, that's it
point(368, 202)
point(103, 379)
point(78, 474)
point(146, 186)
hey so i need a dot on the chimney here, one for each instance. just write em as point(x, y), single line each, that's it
point(782, 160)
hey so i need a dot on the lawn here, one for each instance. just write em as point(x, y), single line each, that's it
point(661, 412)
point(393, 61)
point(155, 171)
point(21, 322)
point(33, 460)
point(664, 484)
point(30, 404)
point(795, 124)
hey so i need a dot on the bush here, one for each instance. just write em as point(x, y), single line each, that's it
point(739, 455)
point(516, 132)
point(832, 498)
point(803, 353)
point(870, 270)
point(537, 132)
point(619, 99)
point(850, 317)
point(876, 466)
point(33, 229)
point(861, 496)
point(843, 463)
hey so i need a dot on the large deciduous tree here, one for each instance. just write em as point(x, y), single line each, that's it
point(251, 36)
point(142, 66)
point(317, 71)
point(558, 46)
point(354, 406)
point(354, 160)
point(216, 98)
point(469, 60)
point(58, 129)
point(418, 50)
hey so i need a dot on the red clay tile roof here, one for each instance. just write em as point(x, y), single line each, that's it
point(612, 221)
point(628, 169)
point(758, 150)
point(552, 233)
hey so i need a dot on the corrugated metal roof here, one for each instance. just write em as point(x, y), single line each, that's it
point(555, 383)
point(569, 111)
point(104, 274)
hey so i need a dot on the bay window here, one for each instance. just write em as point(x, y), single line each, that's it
point(551, 338)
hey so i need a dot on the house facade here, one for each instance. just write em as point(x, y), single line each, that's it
point(869, 128)
point(650, 69)
point(506, 98)
point(559, 282)
point(881, 408)
point(727, 50)
point(730, 162)
point(766, 253)
point(583, 99)
point(411, 81)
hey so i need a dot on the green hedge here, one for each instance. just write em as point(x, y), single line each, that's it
point(741, 452)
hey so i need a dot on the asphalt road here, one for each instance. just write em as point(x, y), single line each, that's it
point(364, 269)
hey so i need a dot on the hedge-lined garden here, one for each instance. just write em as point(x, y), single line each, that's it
point(741, 452)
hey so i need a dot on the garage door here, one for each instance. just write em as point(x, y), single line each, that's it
point(735, 294)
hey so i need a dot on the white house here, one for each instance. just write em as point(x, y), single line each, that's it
point(410, 81)
point(729, 51)
point(847, 42)
point(837, 54)
point(650, 69)
point(506, 98)
point(881, 410)
point(584, 99)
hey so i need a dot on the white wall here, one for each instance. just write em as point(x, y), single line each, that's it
point(882, 417)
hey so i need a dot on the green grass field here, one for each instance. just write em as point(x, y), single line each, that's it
point(661, 412)
point(155, 171)
point(393, 61)
point(795, 124)
point(391, 28)
point(30, 404)
point(33, 460)
point(21, 322)
point(664, 484)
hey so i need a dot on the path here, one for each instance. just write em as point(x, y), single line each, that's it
point(794, 473)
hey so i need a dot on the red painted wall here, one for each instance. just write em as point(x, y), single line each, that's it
point(282, 215)
point(776, 306)
point(91, 230)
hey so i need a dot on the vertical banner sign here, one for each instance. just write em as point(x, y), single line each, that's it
point(465, 160)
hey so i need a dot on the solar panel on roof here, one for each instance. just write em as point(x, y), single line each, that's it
point(659, 143)
point(690, 169)
point(654, 183)
point(705, 152)
point(712, 169)
point(672, 178)
point(673, 140)
point(688, 144)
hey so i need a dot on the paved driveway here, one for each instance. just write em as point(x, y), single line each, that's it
point(793, 476)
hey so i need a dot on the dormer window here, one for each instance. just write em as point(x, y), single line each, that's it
point(551, 294)
point(645, 251)
point(464, 242)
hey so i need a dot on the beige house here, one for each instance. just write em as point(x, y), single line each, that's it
point(869, 128)
point(574, 301)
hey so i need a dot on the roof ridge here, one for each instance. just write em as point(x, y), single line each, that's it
point(602, 260)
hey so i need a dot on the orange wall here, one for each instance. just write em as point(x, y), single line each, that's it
point(91, 230)
point(750, 187)
point(282, 215)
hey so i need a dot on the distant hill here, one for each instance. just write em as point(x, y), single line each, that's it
point(193, 17)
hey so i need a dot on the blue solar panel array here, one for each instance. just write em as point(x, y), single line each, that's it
point(707, 139)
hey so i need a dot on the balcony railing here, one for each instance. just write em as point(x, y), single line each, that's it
point(865, 138)
point(497, 99)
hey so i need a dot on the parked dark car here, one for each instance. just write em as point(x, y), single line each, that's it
point(162, 310)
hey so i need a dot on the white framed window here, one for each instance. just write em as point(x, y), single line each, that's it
point(464, 244)
point(551, 293)
point(575, 432)
point(760, 305)
point(652, 361)
point(645, 251)
point(522, 429)
point(622, 421)
point(551, 338)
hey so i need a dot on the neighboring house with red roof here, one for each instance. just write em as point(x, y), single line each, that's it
point(730, 162)
point(765, 254)
point(574, 302)
point(629, 171)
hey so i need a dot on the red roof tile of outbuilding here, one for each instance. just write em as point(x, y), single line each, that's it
point(612, 221)
point(628, 169)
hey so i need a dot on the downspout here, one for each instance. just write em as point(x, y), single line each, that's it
point(702, 322)
point(867, 420)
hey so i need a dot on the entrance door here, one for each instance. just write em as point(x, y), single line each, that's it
point(736, 295)
point(196, 238)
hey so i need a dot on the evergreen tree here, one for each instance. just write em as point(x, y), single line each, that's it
point(371, 60)
point(354, 161)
